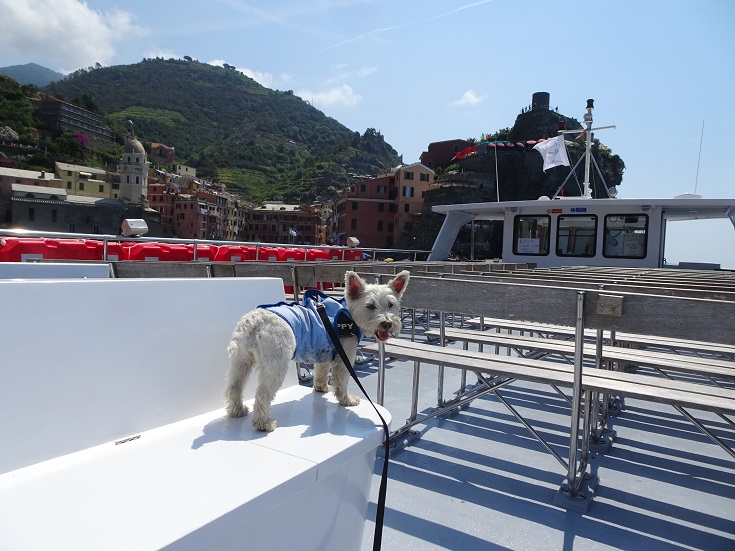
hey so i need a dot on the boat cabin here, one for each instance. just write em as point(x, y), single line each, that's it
point(579, 231)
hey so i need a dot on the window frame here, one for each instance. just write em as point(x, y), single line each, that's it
point(544, 244)
point(584, 254)
point(608, 235)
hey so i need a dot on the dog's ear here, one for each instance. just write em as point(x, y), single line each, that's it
point(354, 284)
point(398, 283)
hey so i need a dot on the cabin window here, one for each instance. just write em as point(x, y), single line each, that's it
point(626, 236)
point(531, 235)
point(575, 235)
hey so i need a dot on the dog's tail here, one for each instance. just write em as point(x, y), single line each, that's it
point(241, 332)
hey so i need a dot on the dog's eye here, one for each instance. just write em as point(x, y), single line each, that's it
point(391, 304)
point(371, 306)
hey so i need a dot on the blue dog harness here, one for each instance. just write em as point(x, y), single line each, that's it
point(313, 344)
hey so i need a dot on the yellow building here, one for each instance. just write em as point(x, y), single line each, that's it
point(83, 180)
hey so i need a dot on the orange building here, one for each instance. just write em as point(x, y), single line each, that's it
point(377, 211)
point(275, 222)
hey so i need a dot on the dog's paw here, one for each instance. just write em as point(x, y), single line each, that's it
point(238, 409)
point(321, 387)
point(267, 425)
point(349, 400)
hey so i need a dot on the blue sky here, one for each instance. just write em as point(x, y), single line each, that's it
point(429, 70)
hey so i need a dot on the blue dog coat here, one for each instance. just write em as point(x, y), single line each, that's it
point(313, 344)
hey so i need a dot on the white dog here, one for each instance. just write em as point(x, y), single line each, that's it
point(270, 337)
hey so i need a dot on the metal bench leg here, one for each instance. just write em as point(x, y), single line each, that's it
point(440, 375)
point(415, 391)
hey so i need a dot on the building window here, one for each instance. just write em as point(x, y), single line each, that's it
point(31, 214)
point(392, 207)
point(625, 236)
point(408, 175)
point(362, 187)
point(102, 188)
point(353, 224)
point(81, 186)
point(354, 206)
point(381, 207)
point(406, 207)
point(531, 235)
point(407, 191)
point(423, 177)
point(575, 235)
point(68, 185)
point(390, 226)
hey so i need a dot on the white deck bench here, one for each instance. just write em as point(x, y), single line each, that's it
point(114, 435)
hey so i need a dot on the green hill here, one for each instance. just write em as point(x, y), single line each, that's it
point(31, 73)
point(264, 144)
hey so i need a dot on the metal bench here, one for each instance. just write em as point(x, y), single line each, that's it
point(583, 313)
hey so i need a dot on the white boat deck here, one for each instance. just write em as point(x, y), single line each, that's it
point(479, 480)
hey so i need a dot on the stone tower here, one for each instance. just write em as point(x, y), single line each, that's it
point(133, 171)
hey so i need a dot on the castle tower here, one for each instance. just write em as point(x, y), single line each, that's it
point(540, 100)
point(133, 170)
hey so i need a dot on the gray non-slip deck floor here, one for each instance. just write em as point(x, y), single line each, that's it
point(479, 480)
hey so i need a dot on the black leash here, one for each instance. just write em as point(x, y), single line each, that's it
point(380, 512)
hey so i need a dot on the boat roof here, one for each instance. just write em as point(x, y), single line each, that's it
point(676, 208)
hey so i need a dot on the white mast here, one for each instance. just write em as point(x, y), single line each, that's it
point(588, 146)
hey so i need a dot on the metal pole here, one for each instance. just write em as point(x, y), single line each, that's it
point(440, 375)
point(415, 392)
point(576, 393)
point(588, 149)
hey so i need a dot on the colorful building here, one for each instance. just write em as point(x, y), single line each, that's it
point(378, 210)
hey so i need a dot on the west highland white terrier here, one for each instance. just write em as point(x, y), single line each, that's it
point(270, 337)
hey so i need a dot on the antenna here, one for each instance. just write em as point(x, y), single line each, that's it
point(699, 157)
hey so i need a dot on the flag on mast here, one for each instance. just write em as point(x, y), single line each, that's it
point(553, 151)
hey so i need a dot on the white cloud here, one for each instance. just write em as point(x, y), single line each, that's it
point(338, 96)
point(469, 98)
point(67, 34)
point(344, 74)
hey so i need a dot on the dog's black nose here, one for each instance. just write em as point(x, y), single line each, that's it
point(386, 325)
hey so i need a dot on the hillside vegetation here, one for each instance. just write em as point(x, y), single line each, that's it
point(264, 144)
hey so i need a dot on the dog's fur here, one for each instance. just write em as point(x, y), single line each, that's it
point(263, 340)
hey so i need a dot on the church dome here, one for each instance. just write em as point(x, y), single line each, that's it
point(134, 146)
